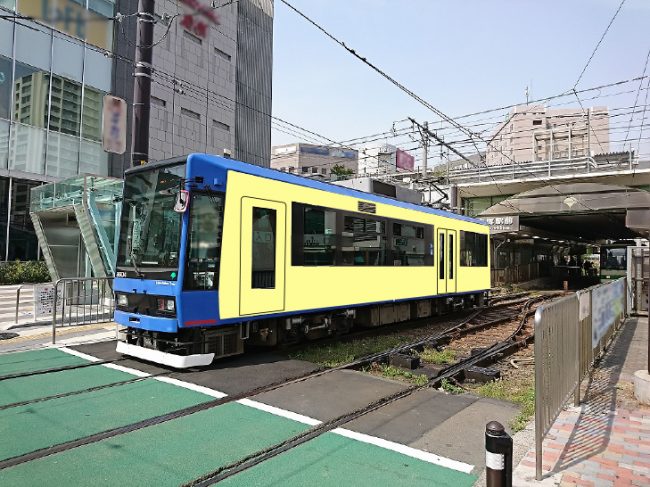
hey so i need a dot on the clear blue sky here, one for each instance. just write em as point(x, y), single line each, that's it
point(461, 56)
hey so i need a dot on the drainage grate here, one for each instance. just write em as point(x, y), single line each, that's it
point(7, 336)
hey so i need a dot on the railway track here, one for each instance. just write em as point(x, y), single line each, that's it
point(482, 319)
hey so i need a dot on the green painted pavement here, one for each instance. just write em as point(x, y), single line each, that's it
point(168, 454)
point(27, 428)
point(43, 385)
point(333, 460)
point(20, 362)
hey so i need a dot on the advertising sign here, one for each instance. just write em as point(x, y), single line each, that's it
point(404, 160)
point(607, 304)
point(328, 151)
point(72, 17)
point(114, 124)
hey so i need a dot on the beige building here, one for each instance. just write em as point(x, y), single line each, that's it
point(536, 133)
point(311, 160)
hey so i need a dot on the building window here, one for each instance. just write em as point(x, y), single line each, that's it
point(537, 122)
point(192, 38)
point(190, 114)
point(222, 54)
point(323, 170)
point(473, 249)
point(221, 125)
point(305, 170)
point(158, 102)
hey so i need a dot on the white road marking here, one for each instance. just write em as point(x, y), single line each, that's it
point(193, 387)
point(406, 450)
point(300, 418)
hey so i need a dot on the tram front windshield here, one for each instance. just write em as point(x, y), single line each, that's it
point(150, 229)
point(613, 258)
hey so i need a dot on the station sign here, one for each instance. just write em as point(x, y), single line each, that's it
point(503, 224)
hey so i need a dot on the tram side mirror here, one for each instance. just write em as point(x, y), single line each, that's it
point(182, 197)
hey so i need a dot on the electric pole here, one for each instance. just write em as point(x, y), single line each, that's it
point(425, 147)
point(142, 83)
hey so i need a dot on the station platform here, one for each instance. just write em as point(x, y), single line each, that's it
point(427, 438)
point(606, 440)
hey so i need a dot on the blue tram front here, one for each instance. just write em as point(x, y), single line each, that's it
point(168, 264)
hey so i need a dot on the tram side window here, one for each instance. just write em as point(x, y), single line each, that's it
point(264, 228)
point(473, 249)
point(408, 245)
point(319, 236)
point(204, 252)
point(328, 237)
point(363, 242)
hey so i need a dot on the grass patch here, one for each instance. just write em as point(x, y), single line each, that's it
point(521, 393)
point(340, 353)
point(396, 373)
point(433, 356)
point(450, 388)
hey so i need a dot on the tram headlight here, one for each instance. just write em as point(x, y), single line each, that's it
point(165, 304)
point(122, 300)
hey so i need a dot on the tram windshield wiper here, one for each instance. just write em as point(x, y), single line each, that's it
point(135, 265)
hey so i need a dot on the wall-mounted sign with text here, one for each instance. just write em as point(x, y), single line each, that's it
point(503, 224)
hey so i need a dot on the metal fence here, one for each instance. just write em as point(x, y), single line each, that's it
point(514, 274)
point(82, 300)
point(569, 335)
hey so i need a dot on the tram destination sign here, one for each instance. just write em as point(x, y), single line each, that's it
point(502, 224)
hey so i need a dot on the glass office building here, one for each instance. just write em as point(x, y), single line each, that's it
point(54, 72)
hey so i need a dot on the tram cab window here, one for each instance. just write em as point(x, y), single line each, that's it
point(473, 249)
point(204, 241)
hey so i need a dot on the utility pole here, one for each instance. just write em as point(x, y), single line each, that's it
point(425, 147)
point(142, 83)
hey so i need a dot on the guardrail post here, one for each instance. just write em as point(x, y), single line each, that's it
point(17, 302)
point(56, 293)
point(498, 456)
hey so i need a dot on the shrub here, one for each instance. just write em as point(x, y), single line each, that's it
point(24, 272)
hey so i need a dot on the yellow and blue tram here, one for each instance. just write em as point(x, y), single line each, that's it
point(215, 253)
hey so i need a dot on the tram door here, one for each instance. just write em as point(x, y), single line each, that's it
point(447, 242)
point(262, 265)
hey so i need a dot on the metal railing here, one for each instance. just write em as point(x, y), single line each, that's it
point(82, 300)
point(545, 169)
point(569, 335)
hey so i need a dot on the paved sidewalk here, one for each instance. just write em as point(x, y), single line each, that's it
point(606, 440)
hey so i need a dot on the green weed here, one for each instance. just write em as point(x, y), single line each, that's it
point(433, 356)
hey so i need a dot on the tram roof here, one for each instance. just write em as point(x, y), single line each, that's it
point(246, 168)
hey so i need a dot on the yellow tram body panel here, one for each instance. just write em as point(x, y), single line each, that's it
point(312, 288)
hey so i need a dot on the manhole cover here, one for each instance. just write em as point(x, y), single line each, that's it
point(7, 336)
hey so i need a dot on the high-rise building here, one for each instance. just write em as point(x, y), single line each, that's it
point(211, 91)
point(536, 133)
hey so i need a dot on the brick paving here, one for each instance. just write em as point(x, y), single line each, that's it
point(606, 440)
